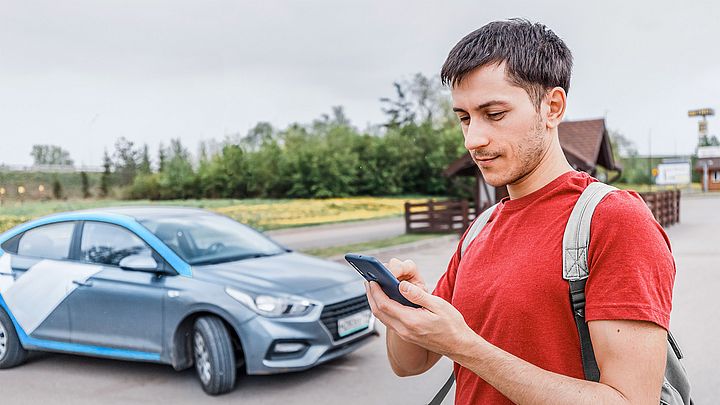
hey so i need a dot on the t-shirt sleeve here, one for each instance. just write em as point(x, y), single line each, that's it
point(632, 270)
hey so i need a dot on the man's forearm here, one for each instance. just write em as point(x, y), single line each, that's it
point(525, 383)
point(406, 358)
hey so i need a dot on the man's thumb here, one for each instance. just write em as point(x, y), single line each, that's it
point(414, 294)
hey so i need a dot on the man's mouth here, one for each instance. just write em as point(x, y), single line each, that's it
point(486, 160)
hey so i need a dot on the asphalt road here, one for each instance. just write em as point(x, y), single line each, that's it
point(338, 234)
point(364, 376)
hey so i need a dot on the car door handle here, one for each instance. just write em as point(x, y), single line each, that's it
point(82, 284)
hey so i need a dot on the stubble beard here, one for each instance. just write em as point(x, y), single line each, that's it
point(529, 153)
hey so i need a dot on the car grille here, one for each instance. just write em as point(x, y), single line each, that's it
point(332, 313)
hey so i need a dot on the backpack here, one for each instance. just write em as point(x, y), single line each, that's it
point(576, 239)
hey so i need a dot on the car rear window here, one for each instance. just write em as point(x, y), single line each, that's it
point(50, 241)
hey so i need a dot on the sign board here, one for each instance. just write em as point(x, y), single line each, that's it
point(673, 173)
point(708, 152)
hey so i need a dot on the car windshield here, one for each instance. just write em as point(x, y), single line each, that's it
point(210, 239)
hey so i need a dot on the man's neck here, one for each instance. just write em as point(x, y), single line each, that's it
point(552, 165)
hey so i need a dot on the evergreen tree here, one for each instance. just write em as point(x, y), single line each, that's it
point(84, 181)
point(106, 175)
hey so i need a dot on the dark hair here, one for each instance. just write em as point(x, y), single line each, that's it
point(535, 58)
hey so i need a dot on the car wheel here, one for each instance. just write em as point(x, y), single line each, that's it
point(214, 356)
point(11, 351)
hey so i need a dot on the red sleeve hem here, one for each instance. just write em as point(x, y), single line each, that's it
point(629, 313)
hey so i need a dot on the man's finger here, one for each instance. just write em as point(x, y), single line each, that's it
point(417, 295)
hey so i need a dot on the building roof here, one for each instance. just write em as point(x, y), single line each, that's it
point(586, 145)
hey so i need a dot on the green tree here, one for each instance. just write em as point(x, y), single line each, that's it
point(50, 155)
point(85, 184)
point(177, 179)
point(57, 188)
point(106, 177)
point(127, 158)
point(144, 166)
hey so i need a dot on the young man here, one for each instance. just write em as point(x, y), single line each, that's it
point(502, 313)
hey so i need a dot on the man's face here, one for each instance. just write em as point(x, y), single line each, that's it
point(503, 132)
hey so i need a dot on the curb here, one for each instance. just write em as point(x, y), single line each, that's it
point(401, 247)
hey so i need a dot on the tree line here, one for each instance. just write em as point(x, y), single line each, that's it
point(328, 157)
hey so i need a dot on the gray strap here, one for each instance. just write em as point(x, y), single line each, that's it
point(577, 232)
point(575, 267)
point(476, 227)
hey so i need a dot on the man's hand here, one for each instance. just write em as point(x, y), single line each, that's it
point(437, 326)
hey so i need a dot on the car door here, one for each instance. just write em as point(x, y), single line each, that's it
point(116, 308)
point(36, 277)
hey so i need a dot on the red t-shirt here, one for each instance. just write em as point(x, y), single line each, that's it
point(509, 284)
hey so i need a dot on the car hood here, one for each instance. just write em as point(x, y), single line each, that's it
point(288, 273)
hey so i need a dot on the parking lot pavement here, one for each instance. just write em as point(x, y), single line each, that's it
point(345, 233)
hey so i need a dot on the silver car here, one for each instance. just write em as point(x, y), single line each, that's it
point(179, 286)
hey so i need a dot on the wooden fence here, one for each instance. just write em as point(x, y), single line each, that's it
point(456, 216)
point(664, 205)
point(439, 216)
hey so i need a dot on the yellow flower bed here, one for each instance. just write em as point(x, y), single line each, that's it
point(312, 211)
point(8, 221)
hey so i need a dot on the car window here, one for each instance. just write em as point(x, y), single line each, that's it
point(210, 239)
point(50, 241)
point(108, 244)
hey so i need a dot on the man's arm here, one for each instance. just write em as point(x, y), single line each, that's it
point(630, 354)
point(407, 358)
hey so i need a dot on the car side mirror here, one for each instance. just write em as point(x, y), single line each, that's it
point(139, 263)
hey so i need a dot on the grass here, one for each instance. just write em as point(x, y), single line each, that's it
point(263, 214)
point(371, 245)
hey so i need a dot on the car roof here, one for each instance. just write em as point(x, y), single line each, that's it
point(146, 212)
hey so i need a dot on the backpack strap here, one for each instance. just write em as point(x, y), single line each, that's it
point(476, 227)
point(575, 267)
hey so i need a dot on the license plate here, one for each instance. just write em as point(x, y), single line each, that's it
point(353, 323)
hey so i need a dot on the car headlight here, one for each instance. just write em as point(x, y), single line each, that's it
point(272, 306)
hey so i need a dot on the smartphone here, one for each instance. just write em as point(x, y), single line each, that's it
point(373, 270)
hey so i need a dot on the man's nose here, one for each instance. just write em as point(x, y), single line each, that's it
point(476, 137)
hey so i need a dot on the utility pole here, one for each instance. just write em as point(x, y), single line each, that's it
point(702, 124)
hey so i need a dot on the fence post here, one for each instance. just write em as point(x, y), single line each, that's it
point(465, 215)
point(407, 217)
point(431, 215)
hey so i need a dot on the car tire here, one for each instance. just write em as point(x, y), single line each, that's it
point(213, 355)
point(11, 351)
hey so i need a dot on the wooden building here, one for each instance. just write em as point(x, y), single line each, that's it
point(709, 169)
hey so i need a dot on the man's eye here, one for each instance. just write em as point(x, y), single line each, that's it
point(497, 116)
point(464, 119)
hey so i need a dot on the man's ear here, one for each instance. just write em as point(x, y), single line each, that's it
point(555, 102)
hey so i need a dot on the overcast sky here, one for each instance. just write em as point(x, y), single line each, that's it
point(82, 73)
